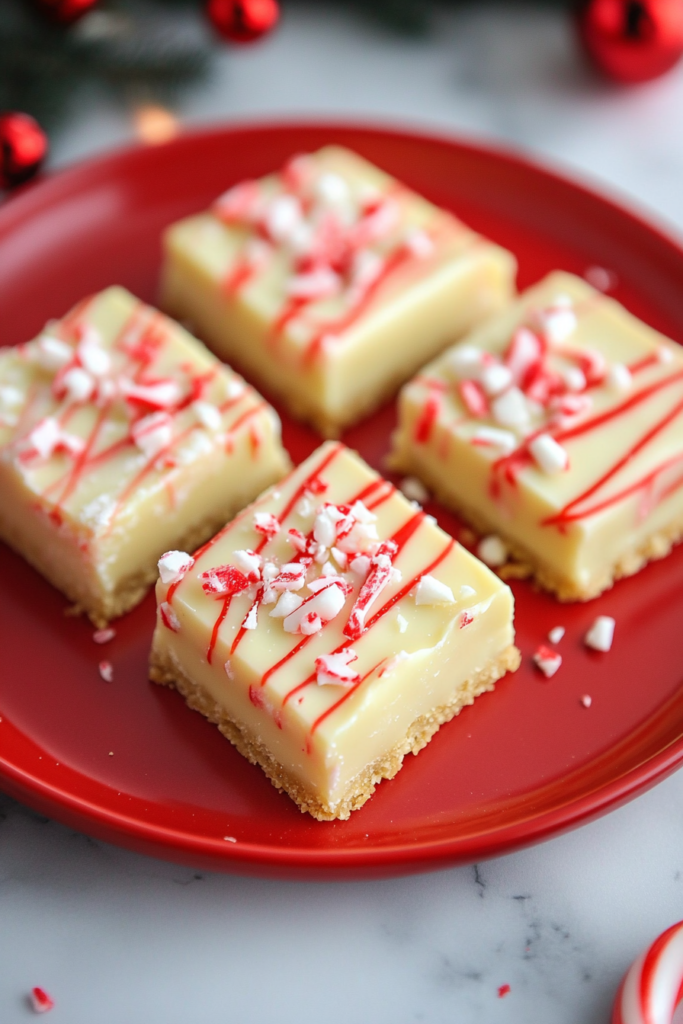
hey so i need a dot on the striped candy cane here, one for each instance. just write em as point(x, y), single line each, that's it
point(653, 985)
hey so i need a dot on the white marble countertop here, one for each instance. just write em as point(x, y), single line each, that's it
point(118, 938)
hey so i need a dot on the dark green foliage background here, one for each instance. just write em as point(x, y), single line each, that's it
point(142, 50)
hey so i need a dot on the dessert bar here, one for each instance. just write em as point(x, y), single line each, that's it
point(558, 426)
point(122, 436)
point(330, 283)
point(330, 629)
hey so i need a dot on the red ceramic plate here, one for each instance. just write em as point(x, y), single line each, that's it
point(129, 762)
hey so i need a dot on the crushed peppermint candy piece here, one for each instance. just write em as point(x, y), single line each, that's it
point(52, 353)
point(466, 361)
point(287, 603)
point(586, 700)
point(560, 321)
point(379, 576)
point(208, 415)
point(495, 378)
point(292, 576)
point(267, 524)
point(432, 591)
point(556, 634)
point(106, 670)
point(393, 663)
point(163, 394)
point(311, 623)
point(249, 563)
point(574, 378)
point(317, 284)
point(78, 384)
point(548, 455)
point(324, 605)
point(93, 357)
point(103, 636)
point(360, 565)
point(467, 591)
point(235, 388)
point(229, 669)
point(665, 354)
point(41, 1001)
point(334, 670)
point(495, 437)
point(547, 660)
point(402, 623)
point(224, 580)
point(492, 551)
point(419, 243)
point(473, 398)
point(153, 433)
point(510, 409)
point(601, 634)
point(524, 353)
point(618, 377)
point(48, 437)
point(414, 490)
point(173, 565)
point(283, 216)
point(169, 617)
point(251, 621)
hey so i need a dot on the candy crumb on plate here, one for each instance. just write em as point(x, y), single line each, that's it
point(106, 670)
point(586, 700)
point(103, 636)
point(601, 634)
point(503, 990)
point(556, 634)
point(547, 660)
point(41, 1002)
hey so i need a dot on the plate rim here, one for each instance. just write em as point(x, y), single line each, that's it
point(315, 863)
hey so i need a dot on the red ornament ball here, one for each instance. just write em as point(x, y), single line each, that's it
point(632, 40)
point(23, 147)
point(243, 21)
point(64, 12)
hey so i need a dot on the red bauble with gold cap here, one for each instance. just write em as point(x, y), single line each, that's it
point(23, 147)
point(632, 40)
point(243, 21)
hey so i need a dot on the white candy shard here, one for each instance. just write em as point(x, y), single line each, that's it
point(334, 669)
point(495, 378)
point(249, 563)
point(229, 670)
point(619, 377)
point(586, 700)
point(106, 670)
point(79, 384)
point(466, 361)
point(510, 409)
point(360, 565)
point(208, 415)
point(601, 634)
point(169, 617)
point(317, 284)
point(266, 523)
point(283, 217)
point(310, 624)
point(235, 388)
point(52, 353)
point(331, 189)
point(494, 437)
point(547, 660)
point(574, 378)
point(419, 243)
point(251, 621)
point(103, 636)
point(556, 634)
point(550, 456)
point(402, 623)
point(492, 551)
point(467, 591)
point(45, 436)
point(432, 591)
point(414, 489)
point(153, 433)
point(326, 604)
point(287, 603)
point(93, 357)
point(173, 565)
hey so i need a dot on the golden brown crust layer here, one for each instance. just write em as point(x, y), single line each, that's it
point(524, 563)
point(363, 786)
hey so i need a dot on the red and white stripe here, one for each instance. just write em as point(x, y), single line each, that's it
point(653, 985)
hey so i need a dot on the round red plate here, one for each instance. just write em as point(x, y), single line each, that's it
point(127, 761)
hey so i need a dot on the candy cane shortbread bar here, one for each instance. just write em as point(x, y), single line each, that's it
point(330, 283)
point(330, 629)
point(122, 436)
point(559, 427)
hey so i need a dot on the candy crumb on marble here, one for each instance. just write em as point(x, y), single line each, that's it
point(547, 660)
point(41, 1002)
point(414, 490)
point(586, 700)
point(601, 634)
point(503, 990)
point(556, 634)
point(106, 670)
point(492, 551)
point(103, 636)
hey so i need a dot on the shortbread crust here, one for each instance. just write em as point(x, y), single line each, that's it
point(166, 672)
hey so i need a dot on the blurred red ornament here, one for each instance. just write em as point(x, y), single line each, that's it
point(632, 40)
point(64, 12)
point(243, 21)
point(23, 147)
